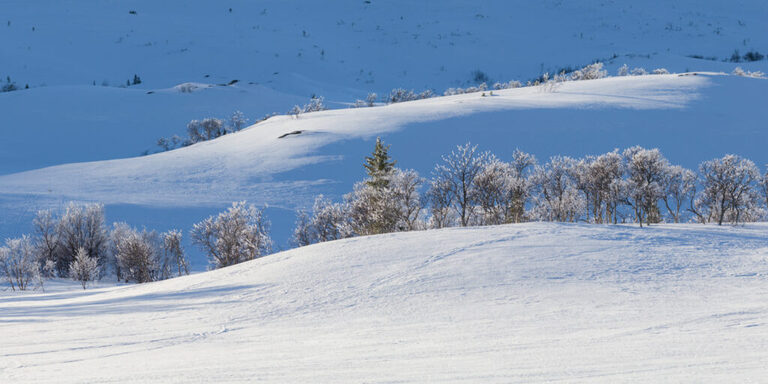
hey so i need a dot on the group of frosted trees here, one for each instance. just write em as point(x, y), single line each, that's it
point(78, 244)
point(471, 187)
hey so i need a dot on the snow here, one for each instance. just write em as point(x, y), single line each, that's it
point(689, 117)
point(516, 303)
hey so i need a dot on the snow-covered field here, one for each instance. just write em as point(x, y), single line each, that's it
point(516, 303)
point(534, 302)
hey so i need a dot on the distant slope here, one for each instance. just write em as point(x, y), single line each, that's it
point(516, 303)
point(691, 118)
point(284, 52)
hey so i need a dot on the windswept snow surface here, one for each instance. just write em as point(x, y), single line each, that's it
point(508, 304)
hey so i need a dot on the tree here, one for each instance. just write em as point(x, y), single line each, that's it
point(237, 121)
point(372, 209)
point(84, 268)
point(329, 221)
point(558, 198)
point(82, 226)
point(440, 199)
point(729, 189)
point(379, 165)
point(207, 129)
point(679, 186)
point(493, 191)
point(47, 245)
point(19, 263)
point(404, 186)
point(237, 235)
point(458, 172)
point(646, 171)
point(599, 179)
point(173, 254)
point(138, 256)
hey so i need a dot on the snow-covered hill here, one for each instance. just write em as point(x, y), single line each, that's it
point(691, 118)
point(516, 303)
point(284, 52)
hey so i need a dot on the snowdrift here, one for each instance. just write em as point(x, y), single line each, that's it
point(515, 303)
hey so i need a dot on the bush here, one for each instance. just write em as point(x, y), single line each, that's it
point(590, 72)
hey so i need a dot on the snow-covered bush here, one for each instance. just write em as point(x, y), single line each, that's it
point(507, 85)
point(84, 268)
point(623, 70)
point(738, 71)
point(638, 72)
point(590, 72)
point(399, 95)
point(19, 263)
point(237, 235)
point(660, 71)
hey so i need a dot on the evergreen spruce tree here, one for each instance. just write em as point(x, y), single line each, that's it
point(379, 165)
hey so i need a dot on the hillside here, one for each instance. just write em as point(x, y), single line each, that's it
point(516, 303)
point(691, 118)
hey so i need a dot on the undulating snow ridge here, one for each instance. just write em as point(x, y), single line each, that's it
point(514, 303)
point(242, 165)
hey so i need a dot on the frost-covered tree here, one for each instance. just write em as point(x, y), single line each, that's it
point(82, 226)
point(371, 99)
point(329, 221)
point(19, 263)
point(458, 172)
point(598, 179)
point(138, 255)
point(404, 186)
point(84, 268)
point(557, 195)
point(623, 70)
point(729, 190)
point(316, 104)
point(237, 121)
point(207, 129)
point(173, 255)
point(237, 235)
point(372, 209)
point(679, 186)
point(522, 165)
point(493, 191)
point(646, 171)
point(440, 199)
point(46, 239)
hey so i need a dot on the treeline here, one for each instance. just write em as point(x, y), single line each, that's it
point(79, 245)
point(470, 187)
point(204, 130)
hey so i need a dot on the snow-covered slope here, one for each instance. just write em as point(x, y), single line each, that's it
point(283, 52)
point(691, 117)
point(517, 303)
